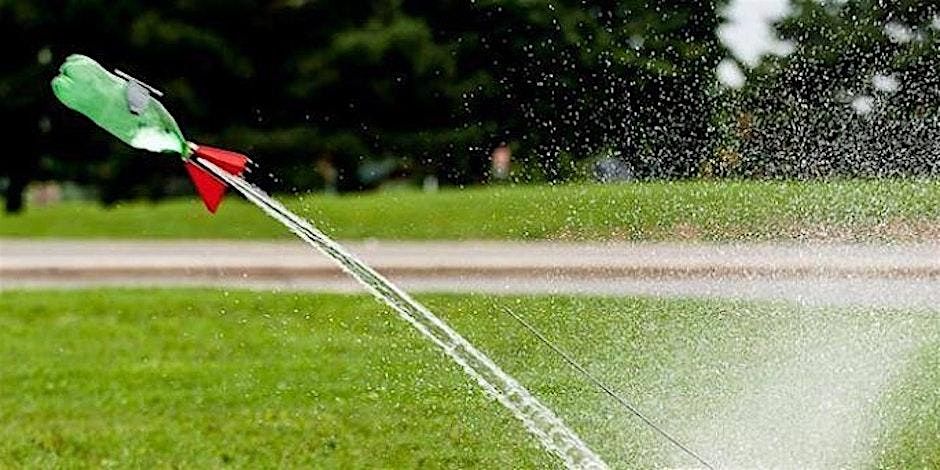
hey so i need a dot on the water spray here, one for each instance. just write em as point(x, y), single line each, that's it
point(126, 108)
point(619, 399)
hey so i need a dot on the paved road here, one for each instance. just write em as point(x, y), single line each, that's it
point(813, 274)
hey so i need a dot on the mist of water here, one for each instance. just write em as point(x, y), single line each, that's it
point(813, 400)
point(541, 421)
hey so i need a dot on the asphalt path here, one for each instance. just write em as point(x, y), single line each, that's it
point(902, 275)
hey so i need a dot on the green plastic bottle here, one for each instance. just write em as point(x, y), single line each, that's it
point(123, 107)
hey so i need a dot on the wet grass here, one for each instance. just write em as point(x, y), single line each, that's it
point(707, 210)
point(917, 401)
point(201, 378)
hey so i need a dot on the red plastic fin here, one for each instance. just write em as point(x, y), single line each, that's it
point(210, 188)
point(231, 162)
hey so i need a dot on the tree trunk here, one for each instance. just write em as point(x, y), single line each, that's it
point(14, 194)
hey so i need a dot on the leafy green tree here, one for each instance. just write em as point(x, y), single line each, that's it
point(859, 96)
point(568, 80)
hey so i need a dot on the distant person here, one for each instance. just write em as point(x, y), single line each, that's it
point(500, 162)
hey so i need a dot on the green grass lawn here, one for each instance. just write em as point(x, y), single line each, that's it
point(707, 210)
point(201, 378)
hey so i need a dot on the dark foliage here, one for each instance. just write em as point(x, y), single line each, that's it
point(368, 88)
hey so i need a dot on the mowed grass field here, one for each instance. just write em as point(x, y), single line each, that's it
point(204, 378)
point(863, 210)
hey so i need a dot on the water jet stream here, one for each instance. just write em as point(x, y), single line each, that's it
point(601, 385)
point(541, 421)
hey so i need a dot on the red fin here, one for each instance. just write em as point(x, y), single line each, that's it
point(231, 162)
point(210, 188)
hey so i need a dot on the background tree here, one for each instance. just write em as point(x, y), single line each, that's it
point(569, 80)
point(859, 96)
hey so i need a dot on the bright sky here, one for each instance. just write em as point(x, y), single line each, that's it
point(747, 31)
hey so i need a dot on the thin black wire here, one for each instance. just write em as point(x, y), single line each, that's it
point(607, 389)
